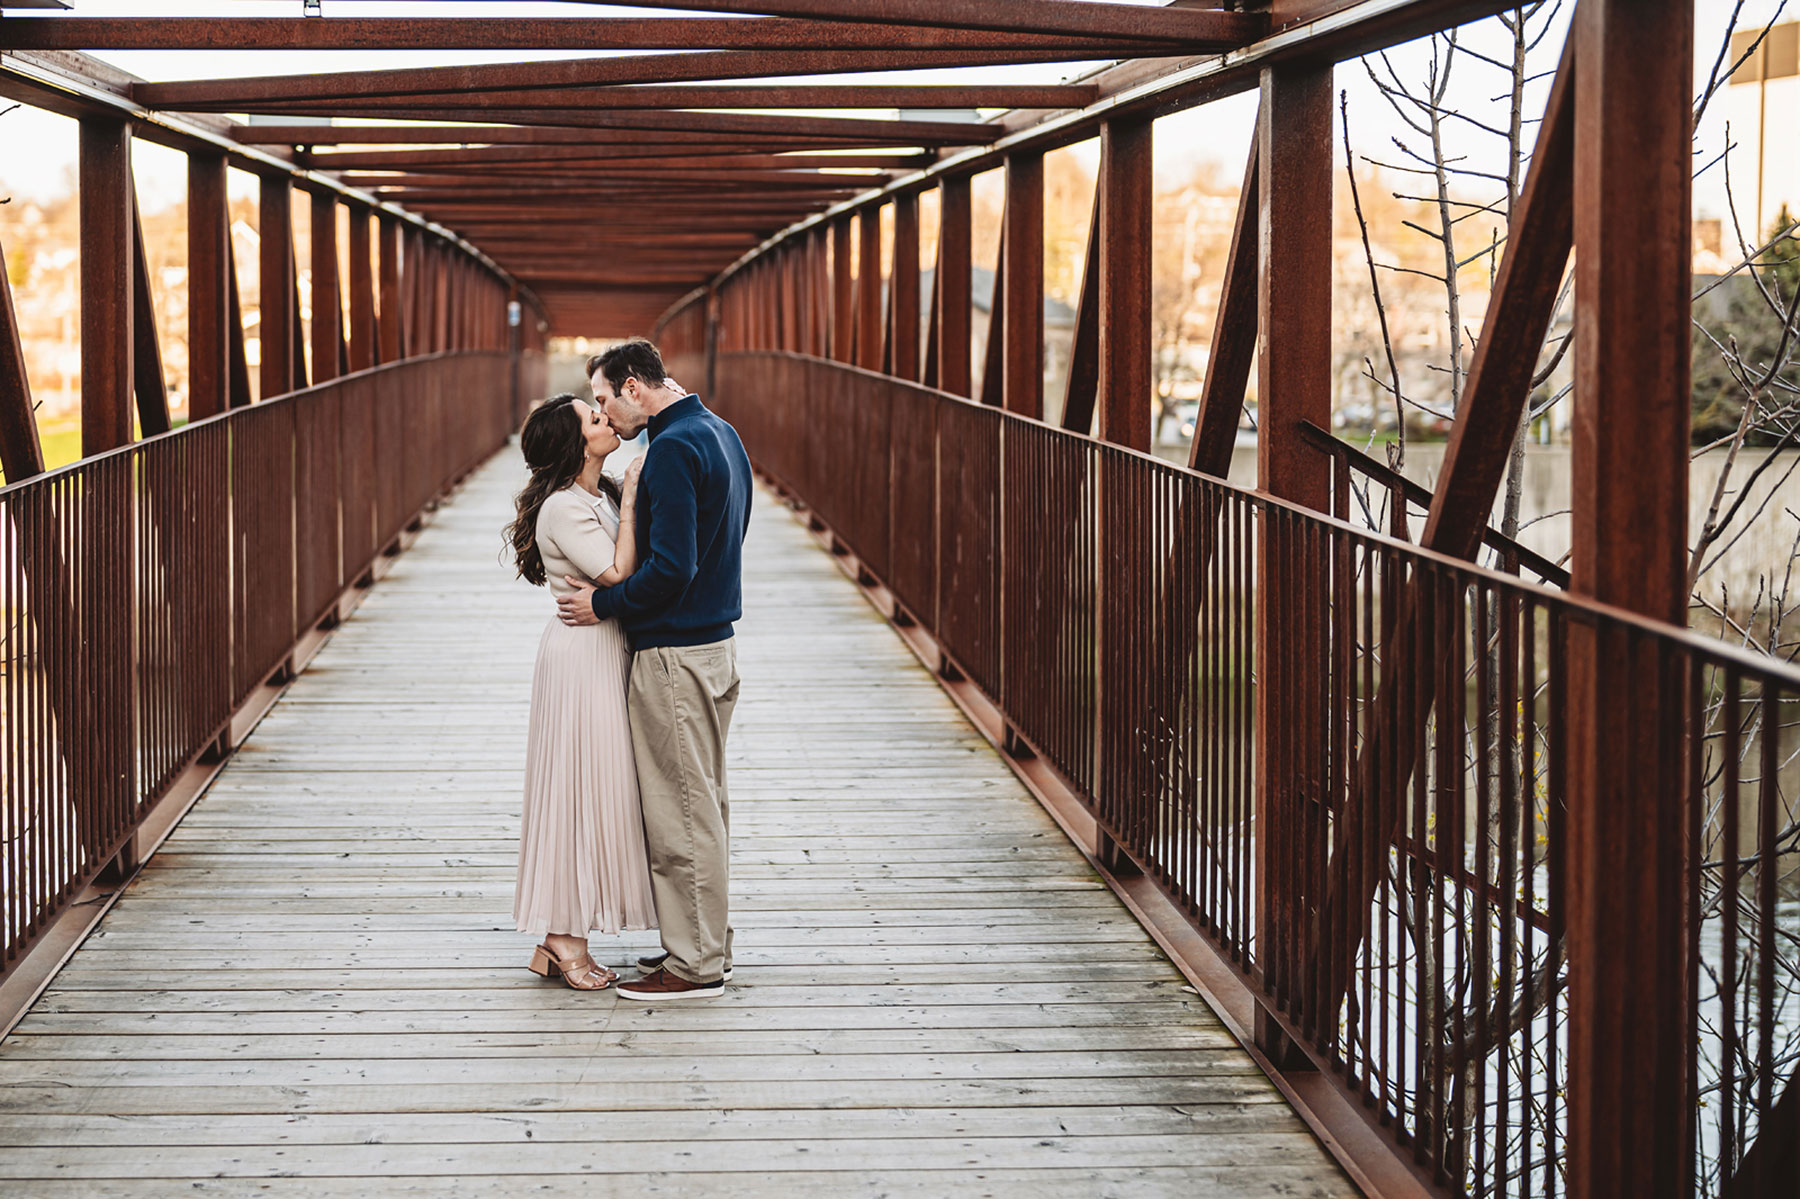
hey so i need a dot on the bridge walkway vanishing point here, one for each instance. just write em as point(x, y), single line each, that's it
point(315, 988)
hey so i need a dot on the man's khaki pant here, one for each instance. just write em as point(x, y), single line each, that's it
point(681, 698)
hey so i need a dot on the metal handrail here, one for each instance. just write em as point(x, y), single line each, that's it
point(1112, 608)
point(1419, 495)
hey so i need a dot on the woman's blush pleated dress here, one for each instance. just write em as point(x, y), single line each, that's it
point(582, 864)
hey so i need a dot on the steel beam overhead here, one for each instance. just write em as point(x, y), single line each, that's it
point(236, 95)
point(648, 192)
point(674, 97)
point(869, 169)
point(616, 148)
point(669, 97)
point(1192, 27)
point(545, 33)
point(848, 131)
point(588, 178)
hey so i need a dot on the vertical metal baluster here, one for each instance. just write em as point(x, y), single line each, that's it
point(13, 799)
point(1442, 864)
point(1768, 875)
point(1342, 715)
point(70, 528)
point(1556, 812)
point(1693, 745)
point(1209, 672)
point(1412, 867)
point(1384, 805)
point(1527, 902)
point(1234, 677)
point(1455, 1140)
point(1512, 1065)
point(1729, 859)
point(1249, 820)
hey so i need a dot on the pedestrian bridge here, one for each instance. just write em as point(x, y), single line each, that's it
point(1104, 827)
point(314, 988)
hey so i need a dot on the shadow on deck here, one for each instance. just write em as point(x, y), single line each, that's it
point(315, 988)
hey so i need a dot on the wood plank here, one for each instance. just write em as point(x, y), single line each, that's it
point(747, 1157)
point(1172, 1182)
point(226, 936)
point(831, 1094)
point(1178, 1009)
point(658, 1044)
point(630, 1127)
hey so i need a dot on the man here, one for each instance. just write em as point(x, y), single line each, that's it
point(677, 610)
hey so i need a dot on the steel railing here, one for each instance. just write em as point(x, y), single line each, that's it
point(1384, 866)
point(147, 592)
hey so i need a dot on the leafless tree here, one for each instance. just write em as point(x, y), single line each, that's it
point(1747, 421)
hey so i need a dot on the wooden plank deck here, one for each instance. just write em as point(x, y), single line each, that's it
point(315, 988)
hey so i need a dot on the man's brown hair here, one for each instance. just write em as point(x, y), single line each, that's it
point(635, 359)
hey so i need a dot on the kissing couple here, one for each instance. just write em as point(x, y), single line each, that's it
point(626, 819)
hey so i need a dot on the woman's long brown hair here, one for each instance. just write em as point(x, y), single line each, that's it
point(555, 450)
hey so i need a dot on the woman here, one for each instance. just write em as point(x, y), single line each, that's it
point(582, 864)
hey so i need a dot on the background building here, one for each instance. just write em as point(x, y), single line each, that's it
point(1762, 104)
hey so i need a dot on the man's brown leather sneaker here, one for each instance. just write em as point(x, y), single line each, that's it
point(661, 985)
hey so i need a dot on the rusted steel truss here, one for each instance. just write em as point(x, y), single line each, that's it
point(1338, 791)
point(1251, 704)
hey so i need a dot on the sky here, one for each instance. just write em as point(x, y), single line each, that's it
point(37, 150)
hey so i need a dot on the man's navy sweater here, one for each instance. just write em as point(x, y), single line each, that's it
point(693, 511)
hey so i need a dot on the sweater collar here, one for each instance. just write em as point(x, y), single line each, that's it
point(687, 405)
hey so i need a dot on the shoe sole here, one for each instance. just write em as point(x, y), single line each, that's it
point(659, 996)
point(643, 968)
